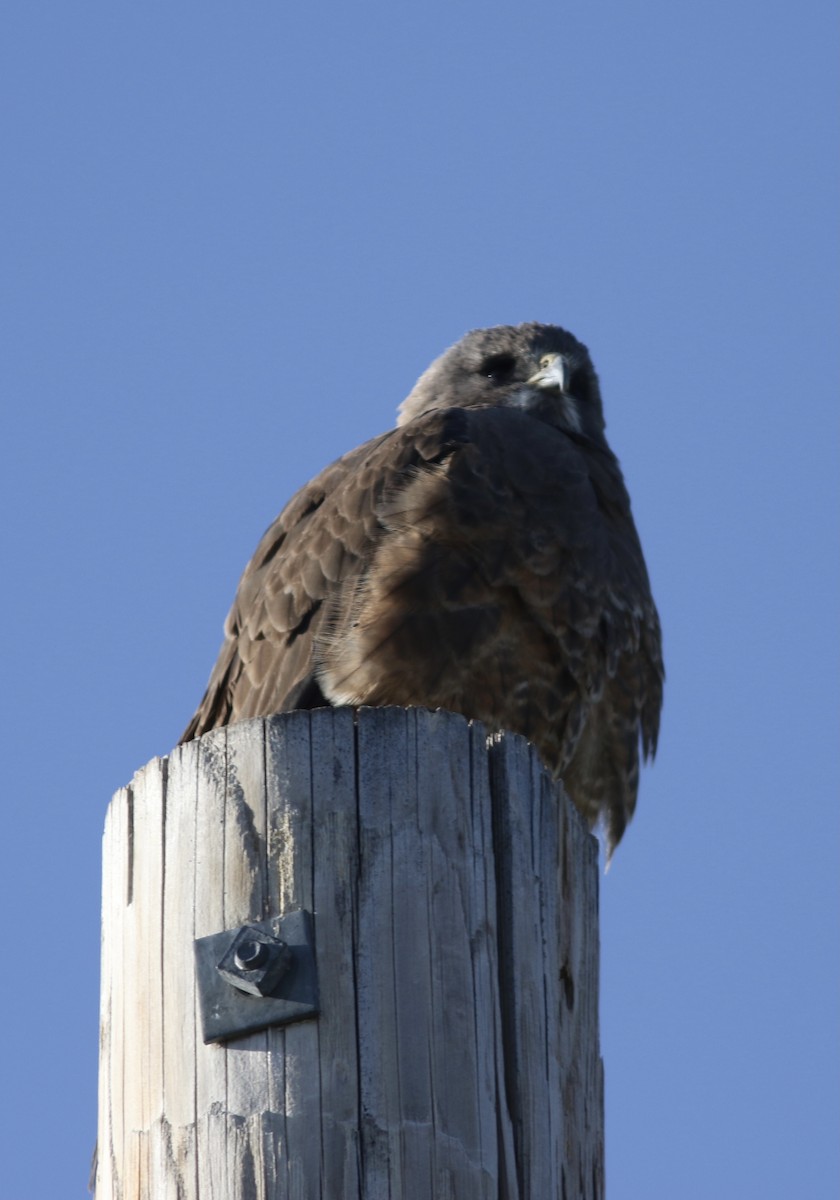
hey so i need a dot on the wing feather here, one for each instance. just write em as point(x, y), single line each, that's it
point(477, 560)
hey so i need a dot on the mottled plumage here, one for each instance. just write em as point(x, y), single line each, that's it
point(480, 557)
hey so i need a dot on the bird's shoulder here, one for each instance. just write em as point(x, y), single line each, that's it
point(494, 465)
point(340, 503)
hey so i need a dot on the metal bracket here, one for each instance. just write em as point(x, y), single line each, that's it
point(259, 975)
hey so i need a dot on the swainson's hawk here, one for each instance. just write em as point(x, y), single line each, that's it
point(480, 557)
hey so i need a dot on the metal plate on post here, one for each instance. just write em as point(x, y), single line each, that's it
point(260, 974)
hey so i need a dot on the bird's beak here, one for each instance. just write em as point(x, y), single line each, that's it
point(551, 375)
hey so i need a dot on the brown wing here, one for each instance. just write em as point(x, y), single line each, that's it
point(476, 560)
point(309, 558)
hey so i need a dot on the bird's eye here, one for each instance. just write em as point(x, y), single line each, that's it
point(498, 367)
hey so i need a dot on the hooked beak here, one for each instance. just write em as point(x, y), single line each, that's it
point(551, 375)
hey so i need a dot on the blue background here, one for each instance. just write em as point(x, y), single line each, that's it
point(233, 236)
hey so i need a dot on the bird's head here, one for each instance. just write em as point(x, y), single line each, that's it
point(539, 369)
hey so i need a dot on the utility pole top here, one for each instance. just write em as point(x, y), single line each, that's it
point(416, 907)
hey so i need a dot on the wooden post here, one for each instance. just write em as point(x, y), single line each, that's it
point(454, 892)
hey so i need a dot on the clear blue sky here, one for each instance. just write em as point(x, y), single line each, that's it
point(234, 234)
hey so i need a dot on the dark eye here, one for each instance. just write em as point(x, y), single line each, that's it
point(498, 367)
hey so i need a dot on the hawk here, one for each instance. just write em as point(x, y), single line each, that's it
point(479, 557)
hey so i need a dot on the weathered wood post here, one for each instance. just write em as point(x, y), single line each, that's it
point(453, 893)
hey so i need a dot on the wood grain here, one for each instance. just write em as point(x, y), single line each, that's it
point(455, 1053)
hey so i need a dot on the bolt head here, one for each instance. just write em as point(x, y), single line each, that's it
point(250, 955)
